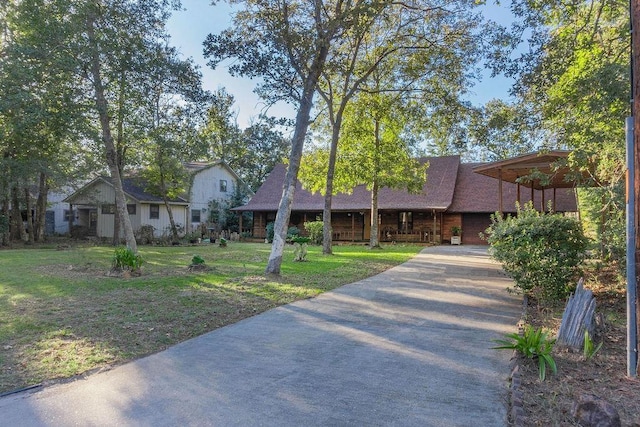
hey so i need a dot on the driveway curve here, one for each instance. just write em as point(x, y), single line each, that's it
point(408, 347)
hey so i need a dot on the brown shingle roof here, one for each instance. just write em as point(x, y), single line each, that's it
point(437, 193)
point(479, 193)
point(450, 186)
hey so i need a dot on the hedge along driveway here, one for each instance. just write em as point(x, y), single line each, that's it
point(62, 315)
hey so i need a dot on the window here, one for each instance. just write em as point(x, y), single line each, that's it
point(154, 211)
point(108, 209)
point(131, 209)
point(67, 214)
point(195, 215)
point(405, 221)
point(223, 185)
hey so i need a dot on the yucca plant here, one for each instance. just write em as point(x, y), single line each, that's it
point(533, 344)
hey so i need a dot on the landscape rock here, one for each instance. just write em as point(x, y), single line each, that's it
point(590, 410)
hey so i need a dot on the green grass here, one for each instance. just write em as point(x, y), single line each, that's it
point(62, 315)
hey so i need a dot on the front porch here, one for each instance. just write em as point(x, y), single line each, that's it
point(394, 225)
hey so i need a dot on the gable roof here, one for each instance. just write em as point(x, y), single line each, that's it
point(194, 167)
point(479, 193)
point(134, 188)
point(437, 193)
point(548, 163)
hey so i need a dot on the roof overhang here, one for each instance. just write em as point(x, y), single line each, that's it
point(538, 170)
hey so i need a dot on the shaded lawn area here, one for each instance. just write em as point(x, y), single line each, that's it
point(61, 314)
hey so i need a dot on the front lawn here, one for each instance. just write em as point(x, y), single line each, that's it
point(61, 314)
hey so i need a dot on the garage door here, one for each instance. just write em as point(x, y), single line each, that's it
point(472, 225)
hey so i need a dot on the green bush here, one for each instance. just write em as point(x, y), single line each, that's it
point(314, 228)
point(532, 344)
point(125, 259)
point(292, 232)
point(270, 231)
point(541, 252)
point(197, 260)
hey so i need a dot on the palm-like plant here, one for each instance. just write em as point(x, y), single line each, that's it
point(533, 343)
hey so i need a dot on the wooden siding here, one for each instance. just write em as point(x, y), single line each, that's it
point(451, 220)
point(205, 187)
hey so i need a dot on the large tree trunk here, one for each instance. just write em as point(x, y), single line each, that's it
point(374, 241)
point(41, 208)
point(289, 185)
point(30, 225)
point(327, 238)
point(110, 148)
point(18, 231)
point(5, 227)
point(172, 222)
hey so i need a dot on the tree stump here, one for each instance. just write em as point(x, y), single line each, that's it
point(578, 315)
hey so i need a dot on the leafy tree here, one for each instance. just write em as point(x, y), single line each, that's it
point(265, 147)
point(374, 151)
point(500, 130)
point(413, 49)
point(175, 98)
point(39, 110)
point(221, 130)
point(286, 43)
point(575, 81)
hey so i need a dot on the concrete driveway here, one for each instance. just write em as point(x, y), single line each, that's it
point(408, 347)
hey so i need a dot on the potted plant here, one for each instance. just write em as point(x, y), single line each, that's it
point(455, 235)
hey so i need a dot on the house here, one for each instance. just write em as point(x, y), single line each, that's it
point(93, 205)
point(58, 214)
point(210, 181)
point(453, 195)
point(94, 210)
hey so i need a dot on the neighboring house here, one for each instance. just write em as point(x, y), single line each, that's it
point(93, 205)
point(58, 213)
point(211, 181)
point(94, 208)
point(453, 195)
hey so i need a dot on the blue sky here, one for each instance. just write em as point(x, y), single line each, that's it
point(188, 29)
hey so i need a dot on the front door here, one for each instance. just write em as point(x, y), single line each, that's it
point(93, 222)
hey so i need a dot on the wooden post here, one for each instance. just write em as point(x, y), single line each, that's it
point(635, 84)
point(500, 190)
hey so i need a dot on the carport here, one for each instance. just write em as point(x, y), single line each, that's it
point(536, 171)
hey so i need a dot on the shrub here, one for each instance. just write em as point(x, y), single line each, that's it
point(126, 259)
point(292, 232)
point(197, 260)
point(541, 252)
point(270, 232)
point(223, 242)
point(145, 234)
point(533, 344)
point(314, 228)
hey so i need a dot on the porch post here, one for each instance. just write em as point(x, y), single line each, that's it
point(533, 203)
point(240, 225)
point(500, 190)
point(435, 226)
point(518, 193)
point(353, 226)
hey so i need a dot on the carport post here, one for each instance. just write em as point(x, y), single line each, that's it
point(632, 335)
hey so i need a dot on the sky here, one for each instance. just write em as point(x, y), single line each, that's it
point(189, 28)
